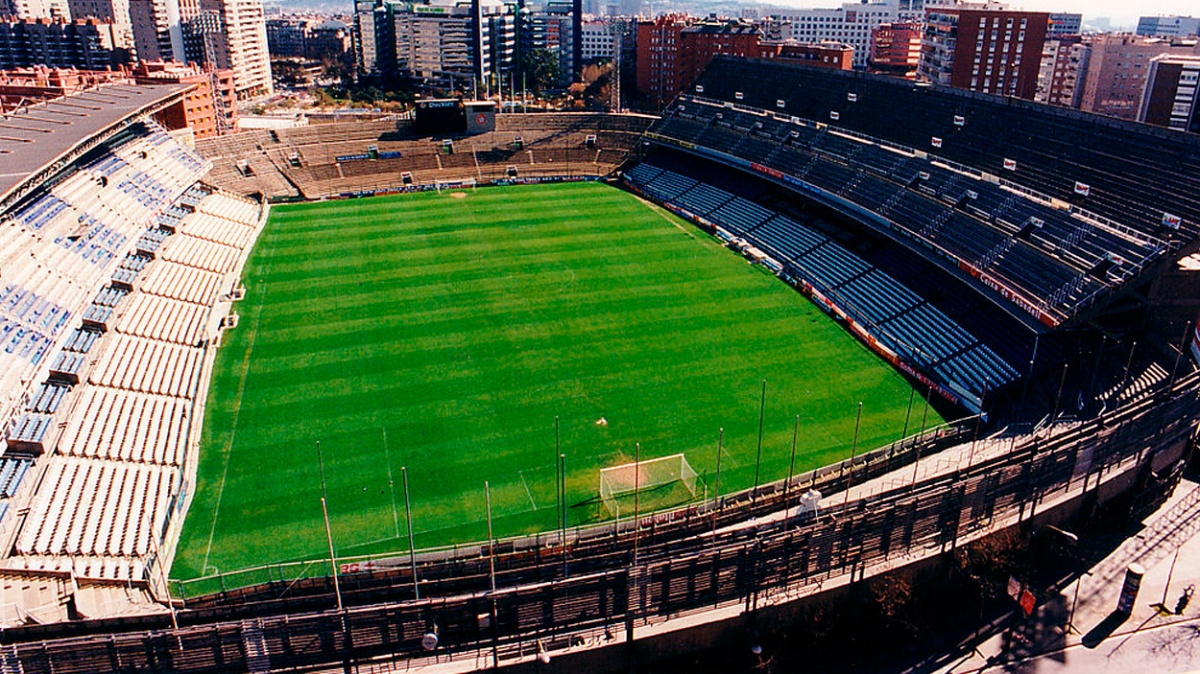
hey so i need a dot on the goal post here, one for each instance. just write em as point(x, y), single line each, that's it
point(662, 481)
point(462, 183)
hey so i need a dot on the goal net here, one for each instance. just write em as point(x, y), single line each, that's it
point(463, 183)
point(661, 482)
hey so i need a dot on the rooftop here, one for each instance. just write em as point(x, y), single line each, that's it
point(33, 137)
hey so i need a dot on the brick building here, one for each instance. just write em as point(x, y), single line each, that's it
point(208, 109)
point(673, 50)
point(1117, 70)
point(1060, 77)
point(895, 48)
point(24, 86)
point(994, 51)
point(826, 55)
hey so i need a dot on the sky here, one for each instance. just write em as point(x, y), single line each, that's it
point(1115, 9)
point(1122, 12)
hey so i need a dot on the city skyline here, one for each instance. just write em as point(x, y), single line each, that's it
point(1117, 11)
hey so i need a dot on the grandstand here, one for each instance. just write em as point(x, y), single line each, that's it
point(124, 447)
point(121, 255)
point(117, 265)
point(351, 158)
point(1050, 239)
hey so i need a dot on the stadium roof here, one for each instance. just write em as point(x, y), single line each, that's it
point(33, 138)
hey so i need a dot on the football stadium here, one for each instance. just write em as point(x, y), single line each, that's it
point(564, 385)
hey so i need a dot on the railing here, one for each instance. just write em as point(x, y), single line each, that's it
point(1045, 312)
point(669, 523)
point(762, 563)
point(1116, 227)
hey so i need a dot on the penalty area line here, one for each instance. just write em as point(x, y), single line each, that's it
point(527, 492)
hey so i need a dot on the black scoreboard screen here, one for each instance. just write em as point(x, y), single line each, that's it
point(437, 116)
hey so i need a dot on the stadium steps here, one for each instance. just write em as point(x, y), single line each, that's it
point(1068, 242)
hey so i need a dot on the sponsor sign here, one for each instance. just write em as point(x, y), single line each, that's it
point(1027, 602)
point(1024, 304)
point(357, 567)
point(1172, 221)
point(935, 141)
point(1010, 164)
point(1083, 189)
point(774, 173)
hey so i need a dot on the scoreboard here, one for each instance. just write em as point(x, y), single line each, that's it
point(454, 116)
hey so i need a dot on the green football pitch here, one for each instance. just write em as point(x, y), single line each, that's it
point(446, 333)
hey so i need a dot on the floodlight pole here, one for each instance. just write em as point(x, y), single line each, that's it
point(563, 519)
point(1128, 364)
point(162, 575)
point(412, 553)
point(912, 393)
point(558, 476)
point(637, 482)
point(924, 416)
point(1167, 587)
point(487, 494)
point(1029, 375)
point(717, 490)
point(762, 404)
point(792, 465)
point(387, 457)
point(1187, 332)
point(1096, 367)
point(321, 465)
point(337, 590)
point(978, 422)
point(1058, 396)
point(560, 486)
point(853, 451)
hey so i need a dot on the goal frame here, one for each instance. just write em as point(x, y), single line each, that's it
point(627, 478)
point(463, 183)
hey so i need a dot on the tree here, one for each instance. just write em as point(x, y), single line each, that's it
point(541, 69)
point(598, 94)
point(288, 72)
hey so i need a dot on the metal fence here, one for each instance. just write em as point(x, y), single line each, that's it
point(295, 579)
point(608, 593)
